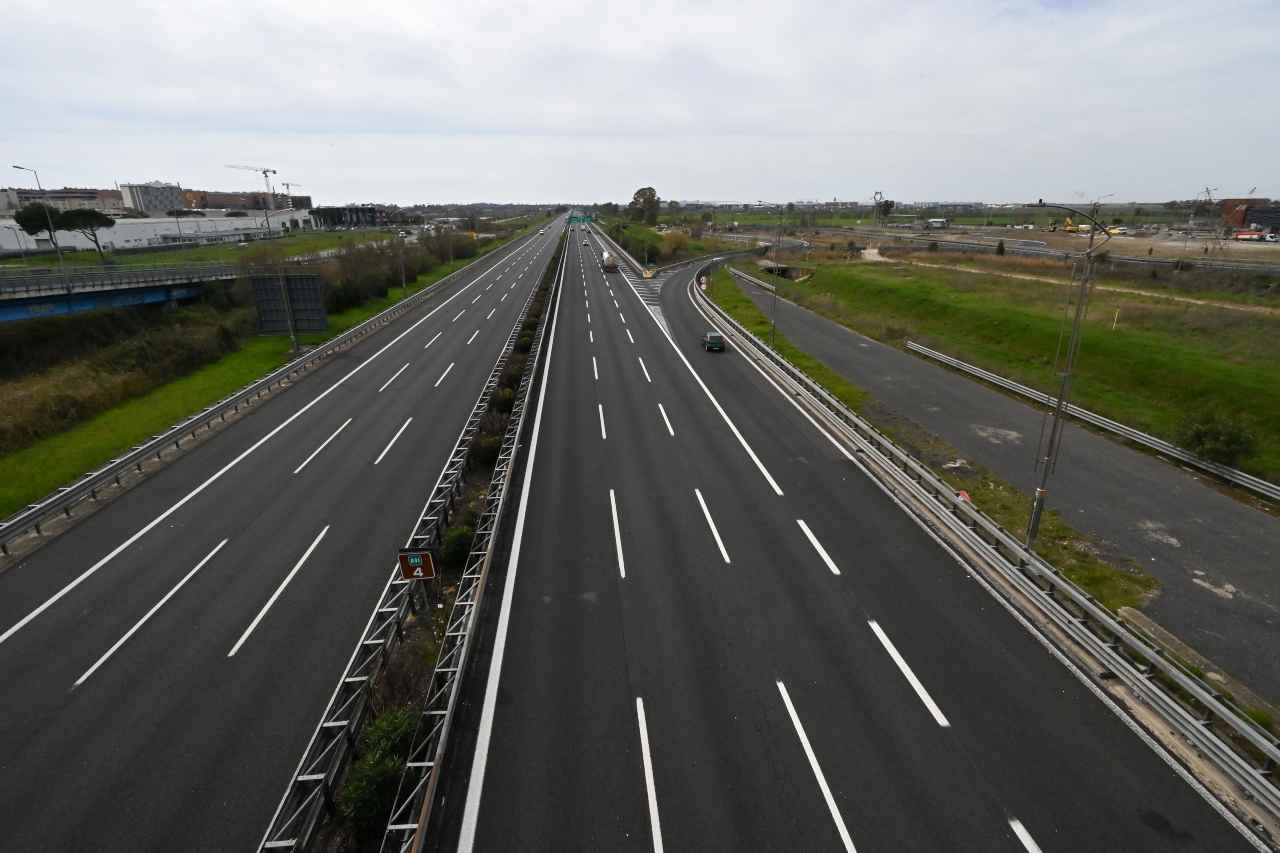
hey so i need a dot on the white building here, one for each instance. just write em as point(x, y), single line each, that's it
point(138, 233)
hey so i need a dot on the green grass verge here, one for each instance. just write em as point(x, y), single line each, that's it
point(33, 472)
point(1160, 361)
point(1115, 581)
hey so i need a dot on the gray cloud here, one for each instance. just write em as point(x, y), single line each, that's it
point(563, 100)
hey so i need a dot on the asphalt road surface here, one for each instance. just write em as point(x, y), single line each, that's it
point(164, 662)
point(715, 633)
point(1215, 557)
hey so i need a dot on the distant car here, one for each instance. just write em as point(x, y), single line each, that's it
point(585, 243)
point(713, 342)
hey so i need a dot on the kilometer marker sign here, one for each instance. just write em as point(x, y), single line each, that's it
point(416, 564)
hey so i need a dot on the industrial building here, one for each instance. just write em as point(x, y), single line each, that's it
point(67, 198)
point(155, 198)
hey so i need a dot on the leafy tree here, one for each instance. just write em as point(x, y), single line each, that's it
point(791, 207)
point(35, 218)
point(644, 206)
point(88, 223)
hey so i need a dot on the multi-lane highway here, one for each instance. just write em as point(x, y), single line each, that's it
point(163, 662)
point(715, 633)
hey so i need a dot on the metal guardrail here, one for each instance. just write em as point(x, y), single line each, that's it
point(415, 797)
point(87, 487)
point(310, 790)
point(1232, 475)
point(28, 284)
point(1194, 709)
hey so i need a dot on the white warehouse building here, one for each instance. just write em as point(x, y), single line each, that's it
point(140, 233)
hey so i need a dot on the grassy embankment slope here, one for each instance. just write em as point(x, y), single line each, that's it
point(1069, 550)
point(1145, 366)
point(29, 473)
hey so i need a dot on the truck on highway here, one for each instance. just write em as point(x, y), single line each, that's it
point(609, 262)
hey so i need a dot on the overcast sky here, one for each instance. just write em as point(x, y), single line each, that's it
point(470, 101)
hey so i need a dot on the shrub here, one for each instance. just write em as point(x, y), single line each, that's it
point(504, 400)
point(485, 449)
point(1216, 436)
point(457, 544)
point(366, 797)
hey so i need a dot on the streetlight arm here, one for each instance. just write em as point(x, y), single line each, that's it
point(1098, 226)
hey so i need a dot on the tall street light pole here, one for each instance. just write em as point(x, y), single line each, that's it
point(17, 235)
point(53, 237)
point(1047, 454)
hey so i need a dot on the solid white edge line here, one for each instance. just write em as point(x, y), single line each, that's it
point(393, 440)
point(480, 759)
point(711, 523)
point(443, 375)
point(217, 475)
point(645, 369)
point(617, 535)
point(168, 595)
point(323, 445)
point(275, 595)
point(910, 676)
point(655, 826)
point(1025, 837)
point(817, 770)
point(393, 377)
point(473, 337)
point(604, 436)
point(666, 420)
point(433, 340)
point(817, 546)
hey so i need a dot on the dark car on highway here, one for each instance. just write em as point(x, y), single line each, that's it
point(713, 342)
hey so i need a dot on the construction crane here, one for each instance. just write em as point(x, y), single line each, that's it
point(288, 193)
point(266, 179)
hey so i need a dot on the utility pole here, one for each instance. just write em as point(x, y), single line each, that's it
point(1047, 452)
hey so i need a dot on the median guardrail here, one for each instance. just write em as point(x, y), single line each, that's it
point(1226, 472)
point(410, 819)
point(32, 519)
point(1237, 747)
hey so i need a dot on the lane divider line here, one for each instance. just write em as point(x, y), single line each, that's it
point(817, 770)
point(275, 595)
point(909, 675)
point(443, 375)
point(1025, 837)
point(323, 445)
point(168, 595)
point(393, 377)
point(645, 369)
point(604, 436)
point(393, 440)
point(666, 420)
point(655, 825)
point(817, 546)
point(711, 523)
point(433, 340)
point(473, 337)
point(617, 535)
